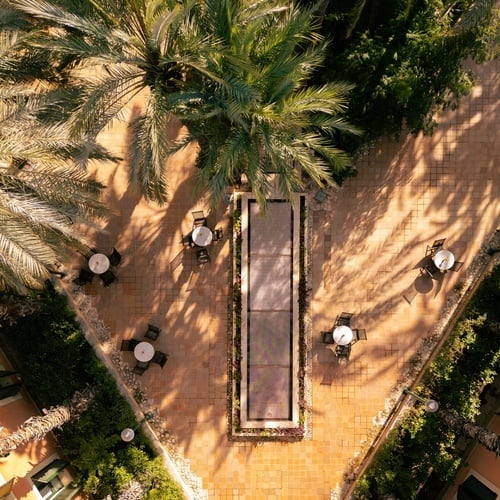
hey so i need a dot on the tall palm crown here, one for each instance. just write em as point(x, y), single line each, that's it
point(109, 52)
point(261, 116)
point(43, 188)
point(235, 72)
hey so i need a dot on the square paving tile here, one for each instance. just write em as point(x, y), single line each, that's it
point(270, 342)
point(269, 393)
point(270, 283)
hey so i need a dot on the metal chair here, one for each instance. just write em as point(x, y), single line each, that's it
point(344, 318)
point(343, 352)
point(358, 334)
point(187, 240)
point(327, 337)
point(199, 218)
point(430, 269)
point(140, 367)
point(152, 332)
point(202, 256)
point(128, 344)
point(160, 358)
point(83, 277)
point(114, 258)
point(457, 265)
point(107, 277)
point(217, 235)
point(431, 250)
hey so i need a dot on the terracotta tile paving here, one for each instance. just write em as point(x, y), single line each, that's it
point(367, 241)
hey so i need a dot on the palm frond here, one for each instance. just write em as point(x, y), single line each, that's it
point(48, 11)
point(150, 150)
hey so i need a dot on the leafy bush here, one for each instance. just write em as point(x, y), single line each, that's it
point(55, 360)
point(468, 361)
point(405, 59)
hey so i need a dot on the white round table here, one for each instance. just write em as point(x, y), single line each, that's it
point(202, 236)
point(342, 335)
point(98, 263)
point(444, 260)
point(144, 351)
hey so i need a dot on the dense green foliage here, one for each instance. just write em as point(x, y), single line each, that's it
point(236, 72)
point(55, 360)
point(469, 360)
point(405, 57)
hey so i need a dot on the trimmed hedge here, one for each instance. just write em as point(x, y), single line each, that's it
point(55, 360)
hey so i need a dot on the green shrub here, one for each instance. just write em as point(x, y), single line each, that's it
point(55, 360)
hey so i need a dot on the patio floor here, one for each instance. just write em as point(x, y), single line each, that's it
point(367, 240)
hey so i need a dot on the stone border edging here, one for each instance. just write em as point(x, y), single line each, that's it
point(176, 465)
point(260, 435)
point(481, 264)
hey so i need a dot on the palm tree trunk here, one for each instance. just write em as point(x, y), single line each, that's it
point(486, 438)
point(35, 428)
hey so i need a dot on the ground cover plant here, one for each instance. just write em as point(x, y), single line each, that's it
point(50, 350)
point(423, 442)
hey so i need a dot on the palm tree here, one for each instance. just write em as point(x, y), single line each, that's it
point(235, 72)
point(43, 194)
point(36, 427)
point(108, 52)
point(469, 430)
point(261, 116)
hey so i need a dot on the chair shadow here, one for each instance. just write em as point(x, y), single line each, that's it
point(327, 361)
point(422, 284)
point(177, 260)
point(422, 262)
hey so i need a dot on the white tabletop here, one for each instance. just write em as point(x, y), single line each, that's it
point(144, 351)
point(202, 236)
point(98, 263)
point(342, 335)
point(444, 260)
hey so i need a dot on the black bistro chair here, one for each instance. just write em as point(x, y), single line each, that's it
point(187, 240)
point(217, 235)
point(202, 256)
point(457, 265)
point(343, 352)
point(430, 269)
point(160, 358)
point(199, 218)
point(114, 258)
point(152, 332)
point(437, 245)
point(83, 277)
point(358, 334)
point(344, 319)
point(140, 367)
point(128, 344)
point(327, 337)
point(107, 277)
